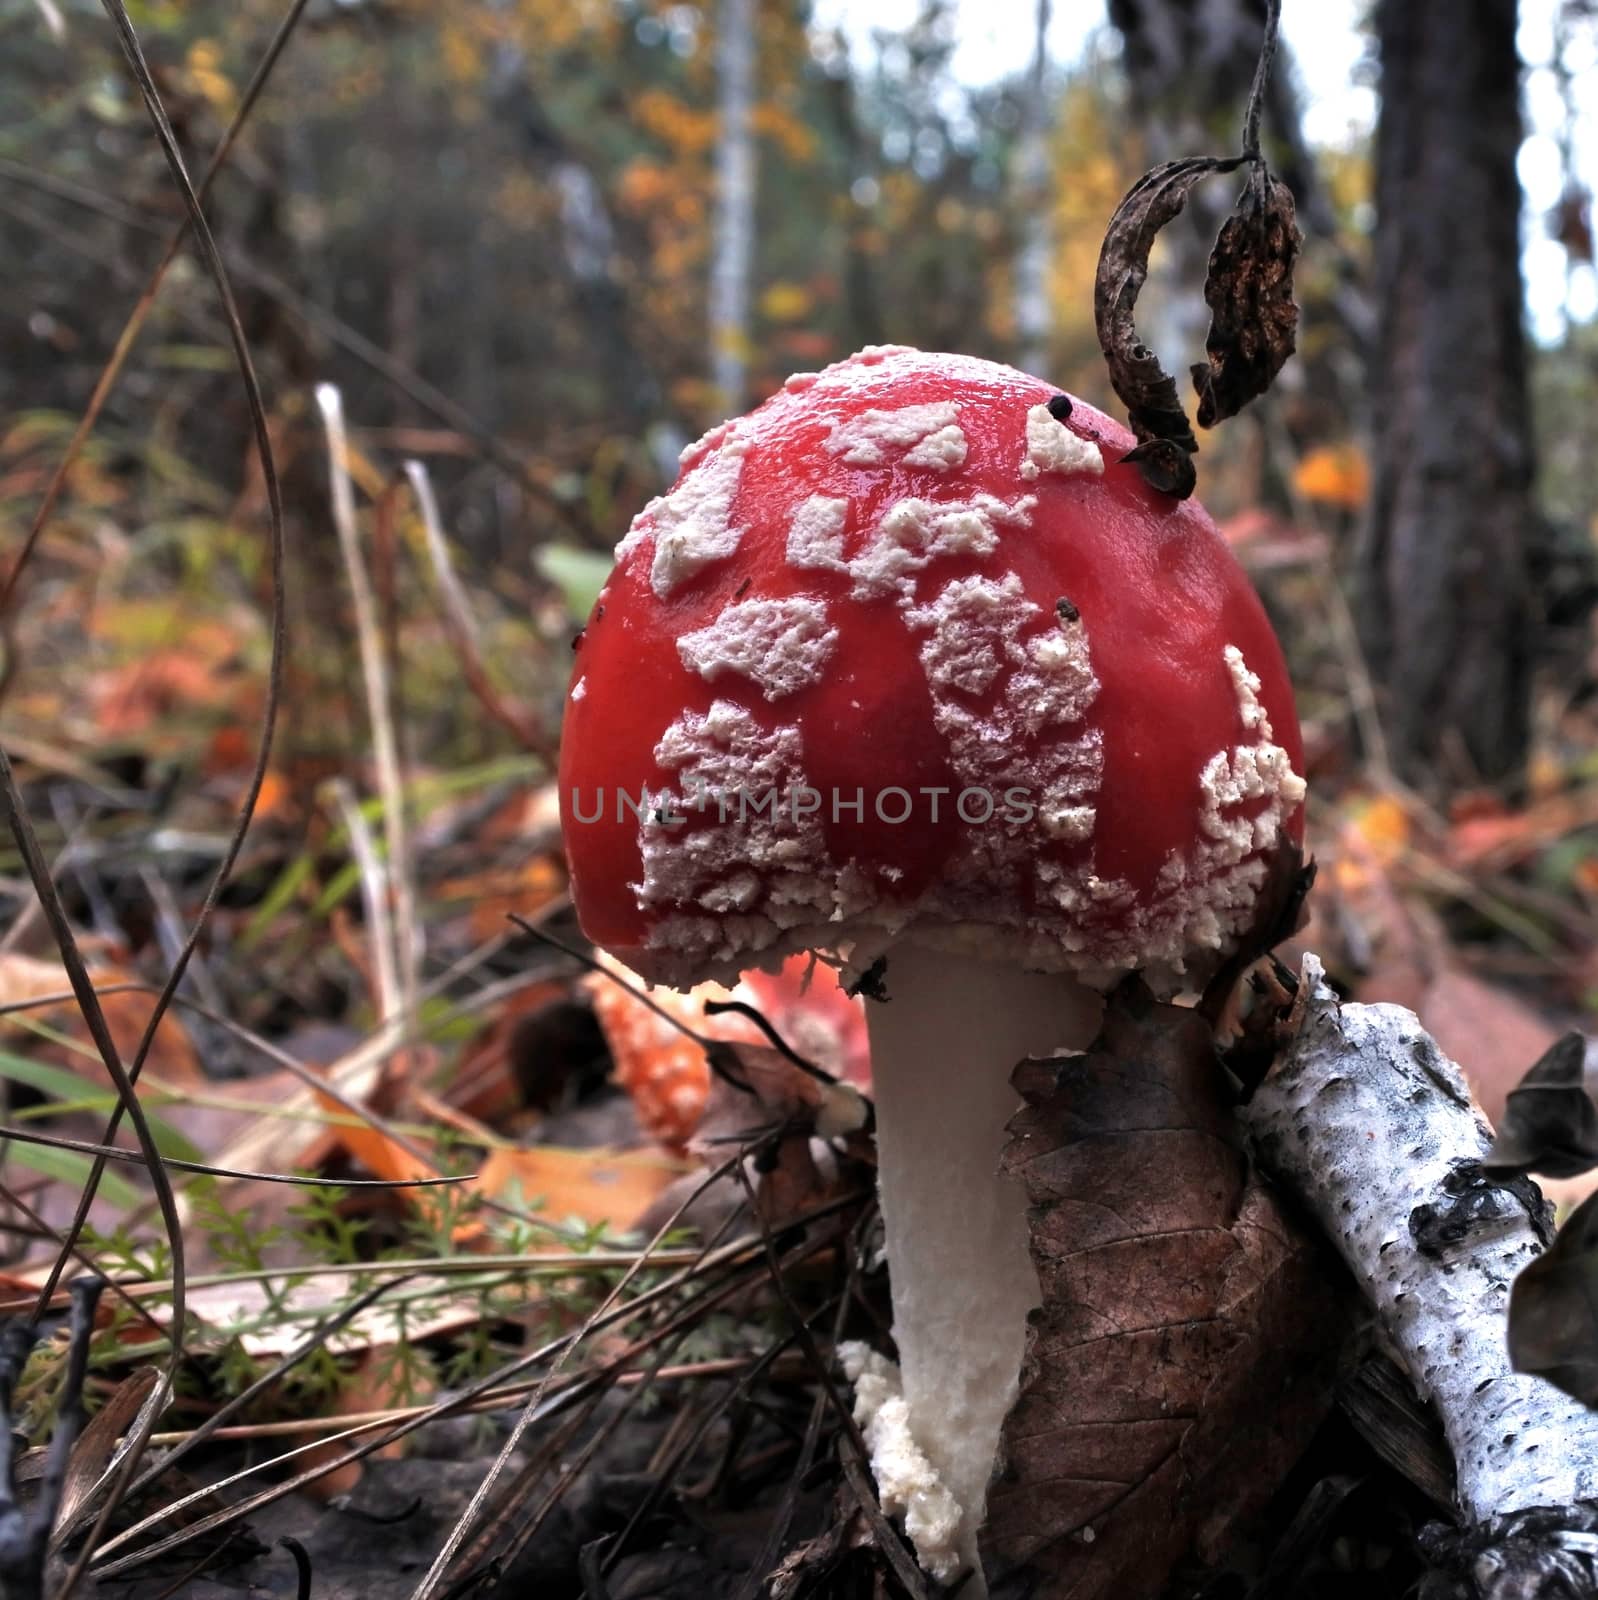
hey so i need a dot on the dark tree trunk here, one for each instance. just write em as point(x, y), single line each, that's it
point(1446, 598)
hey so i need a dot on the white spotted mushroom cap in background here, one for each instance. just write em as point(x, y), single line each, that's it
point(905, 653)
point(661, 1064)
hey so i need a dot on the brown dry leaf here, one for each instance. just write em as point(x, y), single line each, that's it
point(1550, 1123)
point(381, 1155)
point(1249, 290)
point(91, 1455)
point(1496, 841)
point(1553, 1310)
point(522, 890)
point(1189, 1333)
point(198, 669)
point(592, 1187)
point(385, 1156)
point(172, 1060)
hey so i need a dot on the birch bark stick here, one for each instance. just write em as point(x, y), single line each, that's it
point(1373, 1128)
point(734, 236)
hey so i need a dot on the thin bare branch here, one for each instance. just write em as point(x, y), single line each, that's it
point(132, 51)
point(398, 962)
point(111, 1152)
point(461, 628)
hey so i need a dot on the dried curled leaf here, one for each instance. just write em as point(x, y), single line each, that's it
point(1188, 1334)
point(1249, 290)
point(1154, 408)
point(1550, 1124)
point(1553, 1309)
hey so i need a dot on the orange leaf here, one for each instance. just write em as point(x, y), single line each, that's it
point(172, 1060)
point(589, 1186)
point(1384, 825)
point(524, 889)
point(1335, 475)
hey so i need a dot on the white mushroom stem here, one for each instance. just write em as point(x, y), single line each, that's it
point(1365, 1118)
point(943, 1047)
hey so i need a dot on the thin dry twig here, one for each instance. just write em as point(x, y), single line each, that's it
point(368, 1055)
point(100, 1032)
point(110, 1152)
point(401, 956)
point(735, 1261)
point(474, 1508)
point(53, 20)
point(532, 1263)
point(461, 628)
point(512, 1512)
point(497, 1400)
point(134, 54)
point(82, 1257)
point(215, 1425)
point(374, 880)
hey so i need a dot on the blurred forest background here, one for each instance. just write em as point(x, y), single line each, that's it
point(496, 261)
point(537, 245)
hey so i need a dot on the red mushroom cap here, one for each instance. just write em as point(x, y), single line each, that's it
point(906, 653)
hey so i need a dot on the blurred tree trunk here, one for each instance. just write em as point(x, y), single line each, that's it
point(1033, 318)
point(861, 299)
point(1446, 604)
point(735, 208)
point(587, 244)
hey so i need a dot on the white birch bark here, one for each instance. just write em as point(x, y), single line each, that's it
point(735, 208)
point(1032, 319)
point(1366, 1120)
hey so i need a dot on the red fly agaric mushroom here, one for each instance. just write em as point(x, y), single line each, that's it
point(910, 670)
point(661, 1065)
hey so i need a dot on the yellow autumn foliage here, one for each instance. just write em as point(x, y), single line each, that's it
point(786, 302)
point(675, 123)
point(792, 136)
point(205, 72)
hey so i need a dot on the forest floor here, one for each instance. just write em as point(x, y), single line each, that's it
point(578, 1308)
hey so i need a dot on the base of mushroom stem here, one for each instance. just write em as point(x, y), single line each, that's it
point(943, 1047)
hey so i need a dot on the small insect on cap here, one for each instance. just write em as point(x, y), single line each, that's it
point(906, 653)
